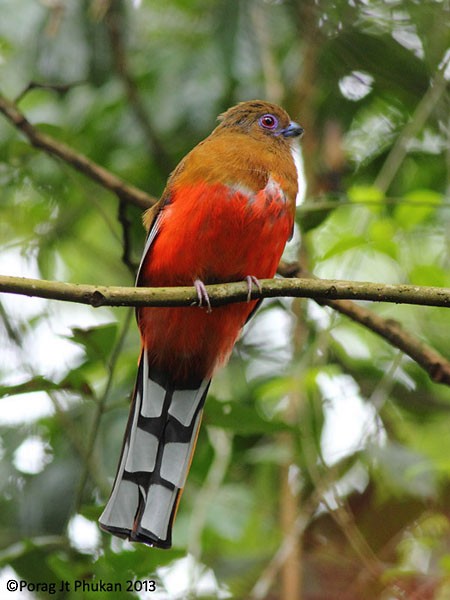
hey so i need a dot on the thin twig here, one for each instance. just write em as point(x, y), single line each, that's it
point(273, 85)
point(114, 21)
point(319, 203)
point(81, 163)
point(126, 238)
point(221, 442)
point(65, 421)
point(91, 465)
point(100, 408)
point(59, 88)
point(267, 577)
point(412, 128)
point(345, 519)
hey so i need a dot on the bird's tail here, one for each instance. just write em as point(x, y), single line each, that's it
point(156, 455)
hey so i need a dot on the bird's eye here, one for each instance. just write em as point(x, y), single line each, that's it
point(268, 122)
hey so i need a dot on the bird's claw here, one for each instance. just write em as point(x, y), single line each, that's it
point(202, 295)
point(251, 279)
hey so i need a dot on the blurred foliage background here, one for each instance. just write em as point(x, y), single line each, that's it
point(323, 466)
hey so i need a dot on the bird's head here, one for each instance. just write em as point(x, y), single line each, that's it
point(260, 119)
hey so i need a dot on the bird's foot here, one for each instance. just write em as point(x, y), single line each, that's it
point(202, 294)
point(251, 279)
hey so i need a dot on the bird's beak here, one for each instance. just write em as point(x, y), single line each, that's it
point(292, 130)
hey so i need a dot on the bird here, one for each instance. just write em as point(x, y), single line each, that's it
point(225, 215)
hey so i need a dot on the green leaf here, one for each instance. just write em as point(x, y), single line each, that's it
point(349, 242)
point(382, 232)
point(367, 195)
point(416, 207)
point(78, 379)
point(32, 563)
point(96, 341)
point(139, 562)
point(433, 275)
point(241, 419)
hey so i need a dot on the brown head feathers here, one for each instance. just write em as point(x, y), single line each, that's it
point(258, 116)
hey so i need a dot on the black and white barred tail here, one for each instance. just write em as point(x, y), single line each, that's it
point(159, 442)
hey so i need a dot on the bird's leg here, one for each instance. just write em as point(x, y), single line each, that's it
point(251, 279)
point(202, 294)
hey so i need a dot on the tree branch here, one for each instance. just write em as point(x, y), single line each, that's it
point(323, 291)
point(437, 367)
point(225, 293)
point(391, 330)
point(79, 162)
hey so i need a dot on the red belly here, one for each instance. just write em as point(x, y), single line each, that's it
point(212, 234)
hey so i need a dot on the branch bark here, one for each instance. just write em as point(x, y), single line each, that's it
point(79, 162)
point(437, 367)
point(321, 290)
point(391, 330)
point(225, 293)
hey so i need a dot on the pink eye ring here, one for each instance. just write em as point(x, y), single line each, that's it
point(268, 121)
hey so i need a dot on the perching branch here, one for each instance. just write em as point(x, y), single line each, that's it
point(81, 163)
point(328, 292)
point(225, 293)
